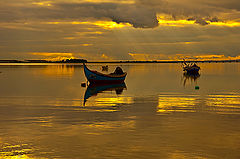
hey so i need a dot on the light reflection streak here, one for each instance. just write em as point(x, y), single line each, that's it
point(43, 121)
point(21, 157)
point(224, 104)
point(180, 154)
point(57, 70)
point(176, 103)
point(21, 151)
point(60, 102)
point(220, 104)
point(113, 101)
point(112, 125)
point(95, 105)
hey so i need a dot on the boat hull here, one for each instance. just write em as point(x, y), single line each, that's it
point(189, 69)
point(96, 77)
point(192, 71)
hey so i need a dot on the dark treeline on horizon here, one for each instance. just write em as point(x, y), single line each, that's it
point(122, 61)
point(45, 61)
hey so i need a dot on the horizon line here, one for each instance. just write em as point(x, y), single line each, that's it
point(115, 61)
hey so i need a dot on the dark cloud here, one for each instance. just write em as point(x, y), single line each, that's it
point(214, 19)
point(201, 21)
point(138, 16)
point(224, 4)
point(141, 14)
point(204, 21)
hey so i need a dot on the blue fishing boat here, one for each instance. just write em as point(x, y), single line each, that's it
point(98, 77)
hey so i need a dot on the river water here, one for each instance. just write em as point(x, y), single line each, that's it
point(157, 113)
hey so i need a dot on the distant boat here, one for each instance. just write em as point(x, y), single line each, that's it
point(191, 68)
point(94, 89)
point(97, 77)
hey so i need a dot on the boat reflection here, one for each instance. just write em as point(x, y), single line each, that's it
point(94, 89)
point(190, 77)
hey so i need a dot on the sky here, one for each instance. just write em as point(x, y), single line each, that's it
point(106, 30)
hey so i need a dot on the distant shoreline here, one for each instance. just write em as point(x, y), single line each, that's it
point(122, 61)
point(187, 61)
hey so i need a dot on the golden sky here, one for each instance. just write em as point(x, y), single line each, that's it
point(119, 29)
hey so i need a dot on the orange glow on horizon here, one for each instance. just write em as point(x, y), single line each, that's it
point(177, 57)
point(103, 24)
point(168, 21)
point(110, 24)
point(228, 23)
point(54, 56)
point(177, 23)
point(43, 3)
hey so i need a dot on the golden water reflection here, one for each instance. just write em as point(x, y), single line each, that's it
point(20, 151)
point(111, 125)
point(176, 103)
point(58, 70)
point(155, 117)
point(113, 101)
point(223, 104)
point(104, 90)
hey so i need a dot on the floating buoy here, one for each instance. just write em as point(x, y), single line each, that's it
point(83, 84)
point(196, 87)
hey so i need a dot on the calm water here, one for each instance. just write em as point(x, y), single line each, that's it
point(158, 113)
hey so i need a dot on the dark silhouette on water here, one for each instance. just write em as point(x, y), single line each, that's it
point(94, 89)
point(191, 77)
point(190, 68)
point(97, 77)
point(118, 71)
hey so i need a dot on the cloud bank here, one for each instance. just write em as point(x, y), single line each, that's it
point(90, 27)
point(139, 13)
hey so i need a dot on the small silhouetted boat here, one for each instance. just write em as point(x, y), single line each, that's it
point(97, 77)
point(94, 89)
point(191, 68)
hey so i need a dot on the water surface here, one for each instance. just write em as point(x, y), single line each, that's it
point(158, 113)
